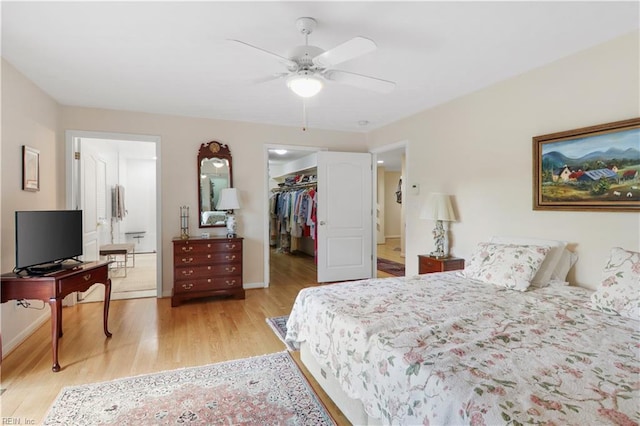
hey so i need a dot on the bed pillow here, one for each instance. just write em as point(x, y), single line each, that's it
point(566, 262)
point(506, 265)
point(543, 276)
point(619, 291)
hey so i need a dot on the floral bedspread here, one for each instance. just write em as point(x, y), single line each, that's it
point(439, 349)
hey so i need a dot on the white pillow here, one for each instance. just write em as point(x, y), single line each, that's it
point(543, 276)
point(506, 265)
point(619, 291)
point(566, 262)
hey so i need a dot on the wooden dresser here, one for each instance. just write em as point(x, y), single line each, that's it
point(204, 267)
point(428, 264)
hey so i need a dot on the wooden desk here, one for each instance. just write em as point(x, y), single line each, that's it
point(53, 288)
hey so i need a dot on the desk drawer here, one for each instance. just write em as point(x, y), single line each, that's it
point(82, 281)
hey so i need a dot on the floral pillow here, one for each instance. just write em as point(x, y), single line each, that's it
point(619, 291)
point(506, 265)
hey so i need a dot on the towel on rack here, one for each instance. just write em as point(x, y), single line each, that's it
point(118, 212)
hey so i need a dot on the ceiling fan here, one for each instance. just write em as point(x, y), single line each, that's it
point(309, 66)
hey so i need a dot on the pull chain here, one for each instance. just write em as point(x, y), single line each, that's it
point(304, 115)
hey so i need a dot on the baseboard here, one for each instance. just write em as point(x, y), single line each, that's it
point(248, 286)
point(8, 347)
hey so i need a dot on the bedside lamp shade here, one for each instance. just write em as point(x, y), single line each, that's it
point(229, 201)
point(438, 207)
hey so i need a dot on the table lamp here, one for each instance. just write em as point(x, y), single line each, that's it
point(229, 202)
point(438, 207)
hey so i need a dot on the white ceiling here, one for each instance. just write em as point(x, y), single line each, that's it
point(175, 57)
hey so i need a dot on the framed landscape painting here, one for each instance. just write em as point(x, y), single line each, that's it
point(593, 168)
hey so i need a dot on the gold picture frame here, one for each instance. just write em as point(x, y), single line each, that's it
point(594, 168)
point(30, 169)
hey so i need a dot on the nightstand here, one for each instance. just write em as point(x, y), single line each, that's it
point(428, 264)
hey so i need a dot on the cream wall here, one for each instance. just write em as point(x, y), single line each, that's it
point(29, 117)
point(180, 140)
point(479, 149)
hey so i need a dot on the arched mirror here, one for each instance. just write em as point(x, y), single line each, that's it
point(214, 174)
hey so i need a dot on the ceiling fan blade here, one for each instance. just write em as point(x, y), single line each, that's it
point(350, 49)
point(288, 62)
point(269, 78)
point(361, 81)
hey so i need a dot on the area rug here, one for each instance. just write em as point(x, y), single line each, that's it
point(279, 327)
point(391, 267)
point(268, 389)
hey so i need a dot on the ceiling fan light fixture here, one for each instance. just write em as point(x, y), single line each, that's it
point(304, 84)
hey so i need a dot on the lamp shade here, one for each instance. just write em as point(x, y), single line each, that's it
point(438, 207)
point(304, 84)
point(228, 199)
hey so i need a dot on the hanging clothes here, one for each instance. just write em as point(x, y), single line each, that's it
point(399, 192)
point(292, 218)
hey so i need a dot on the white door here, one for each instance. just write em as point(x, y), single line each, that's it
point(92, 202)
point(344, 216)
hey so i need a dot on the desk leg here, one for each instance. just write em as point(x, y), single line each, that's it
point(107, 301)
point(56, 314)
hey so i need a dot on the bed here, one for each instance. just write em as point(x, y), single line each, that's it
point(449, 348)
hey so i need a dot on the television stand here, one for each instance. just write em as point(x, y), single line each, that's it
point(53, 287)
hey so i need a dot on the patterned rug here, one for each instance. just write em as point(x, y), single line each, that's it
point(279, 327)
point(391, 267)
point(268, 389)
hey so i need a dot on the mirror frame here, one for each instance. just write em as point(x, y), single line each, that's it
point(209, 150)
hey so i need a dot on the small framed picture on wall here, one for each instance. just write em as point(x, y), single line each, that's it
point(30, 169)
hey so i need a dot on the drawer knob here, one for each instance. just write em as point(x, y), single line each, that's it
point(232, 257)
point(231, 246)
point(187, 286)
point(187, 273)
point(230, 283)
point(230, 269)
point(187, 248)
point(187, 259)
point(87, 277)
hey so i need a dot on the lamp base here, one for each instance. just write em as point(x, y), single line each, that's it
point(231, 225)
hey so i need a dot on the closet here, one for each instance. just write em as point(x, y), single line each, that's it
point(293, 209)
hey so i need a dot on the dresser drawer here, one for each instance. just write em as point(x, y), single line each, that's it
point(427, 264)
point(207, 284)
point(192, 247)
point(187, 272)
point(206, 258)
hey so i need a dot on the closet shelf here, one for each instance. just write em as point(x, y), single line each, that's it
point(294, 186)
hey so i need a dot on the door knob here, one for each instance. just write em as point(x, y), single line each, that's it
point(322, 222)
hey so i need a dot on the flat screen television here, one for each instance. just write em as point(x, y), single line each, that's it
point(45, 238)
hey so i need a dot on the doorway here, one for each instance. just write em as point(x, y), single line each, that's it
point(391, 178)
point(123, 203)
point(282, 260)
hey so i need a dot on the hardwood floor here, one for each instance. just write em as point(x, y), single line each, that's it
point(390, 250)
point(150, 336)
